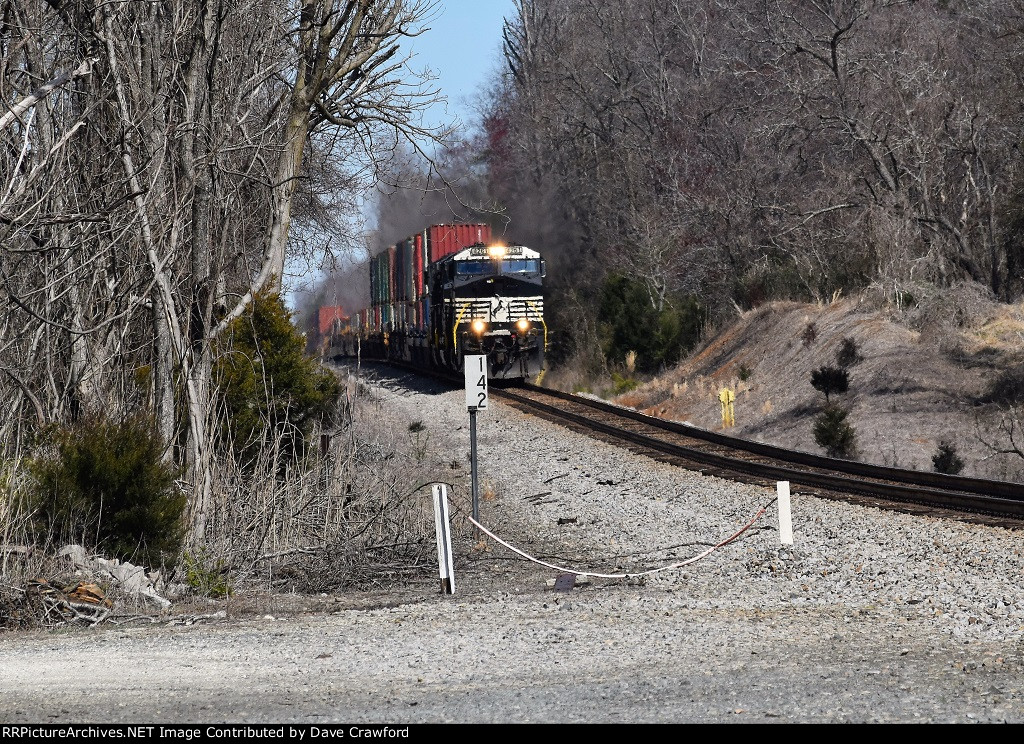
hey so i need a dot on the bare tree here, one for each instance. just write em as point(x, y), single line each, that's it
point(778, 147)
point(889, 110)
point(150, 158)
point(345, 73)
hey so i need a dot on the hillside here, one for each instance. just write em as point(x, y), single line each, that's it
point(923, 377)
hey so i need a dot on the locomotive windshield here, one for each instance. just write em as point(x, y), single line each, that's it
point(507, 266)
point(473, 268)
point(520, 266)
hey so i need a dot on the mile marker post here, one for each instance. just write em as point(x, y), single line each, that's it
point(476, 399)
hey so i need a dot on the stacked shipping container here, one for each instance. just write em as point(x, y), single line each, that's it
point(329, 318)
point(398, 291)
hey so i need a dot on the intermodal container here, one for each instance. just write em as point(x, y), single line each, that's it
point(374, 282)
point(327, 320)
point(409, 269)
point(392, 289)
point(382, 279)
point(417, 269)
point(444, 240)
point(396, 267)
point(400, 270)
point(374, 286)
point(421, 314)
point(401, 281)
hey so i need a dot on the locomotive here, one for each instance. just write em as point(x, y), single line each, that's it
point(446, 292)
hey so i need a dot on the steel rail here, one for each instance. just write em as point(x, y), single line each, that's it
point(1005, 499)
point(1006, 489)
point(966, 495)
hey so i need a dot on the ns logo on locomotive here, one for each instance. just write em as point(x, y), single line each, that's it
point(446, 292)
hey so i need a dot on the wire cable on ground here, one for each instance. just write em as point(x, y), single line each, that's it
point(678, 564)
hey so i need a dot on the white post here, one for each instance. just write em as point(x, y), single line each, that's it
point(785, 519)
point(446, 566)
point(476, 399)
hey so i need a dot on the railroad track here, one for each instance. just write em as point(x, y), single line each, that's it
point(998, 503)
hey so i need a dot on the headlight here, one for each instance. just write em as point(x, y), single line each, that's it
point(496, 251)
point(523, 325)
point(478, 326)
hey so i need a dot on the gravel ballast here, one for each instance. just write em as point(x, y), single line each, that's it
point(870, 616)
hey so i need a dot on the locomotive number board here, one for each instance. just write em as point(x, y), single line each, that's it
point(482, 250)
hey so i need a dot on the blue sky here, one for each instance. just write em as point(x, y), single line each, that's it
point(462, 47)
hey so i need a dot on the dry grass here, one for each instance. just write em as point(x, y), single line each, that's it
point(632, 399)
point(1001, 331)
point(575, 376)
point(354, 513)
point(917, 382)
point(923, 367)
point(36, 583)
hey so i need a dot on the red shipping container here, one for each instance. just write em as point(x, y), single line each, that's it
point(421, 315)
point(417, 268)
point(327, 317)
point(445, 240)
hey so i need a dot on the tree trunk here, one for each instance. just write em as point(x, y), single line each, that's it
point(288, 165)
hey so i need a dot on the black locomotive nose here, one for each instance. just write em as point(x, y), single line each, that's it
point(426, 288)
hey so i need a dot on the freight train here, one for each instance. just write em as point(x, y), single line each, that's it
point(447, 292)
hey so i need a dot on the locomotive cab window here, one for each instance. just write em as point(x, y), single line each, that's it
point(474, 268)
point(520, 266)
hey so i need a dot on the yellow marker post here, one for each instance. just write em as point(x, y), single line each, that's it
point(726, 397)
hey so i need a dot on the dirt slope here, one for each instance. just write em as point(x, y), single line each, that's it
point(919, 379)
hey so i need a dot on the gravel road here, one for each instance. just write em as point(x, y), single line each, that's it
point(871, 616)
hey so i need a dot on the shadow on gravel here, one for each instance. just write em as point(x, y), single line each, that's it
point(400, 380)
